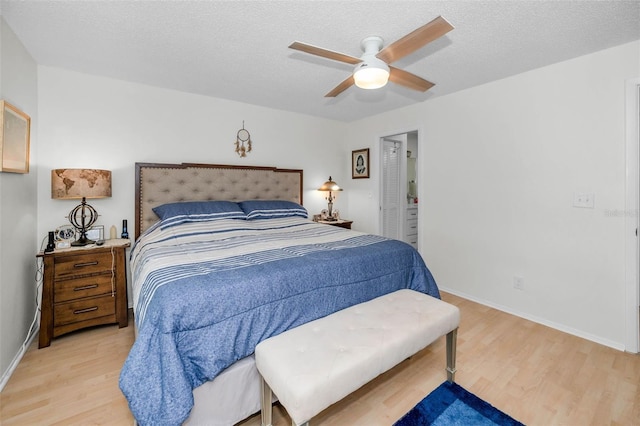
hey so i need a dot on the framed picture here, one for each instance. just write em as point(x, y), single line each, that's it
point(96, 233)
point(15, 126)
point(360, 164)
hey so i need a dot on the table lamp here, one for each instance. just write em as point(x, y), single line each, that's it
point(331, 187)
point(81, 184)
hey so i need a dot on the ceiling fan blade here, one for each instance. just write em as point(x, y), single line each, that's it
point(406, 79)
point(341, 87)
point(415, 40)
point(325, 53)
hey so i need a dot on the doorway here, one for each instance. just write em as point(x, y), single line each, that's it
point(391, 187)
point(399, 187)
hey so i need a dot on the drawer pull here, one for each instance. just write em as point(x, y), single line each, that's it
point(82, 265)
point(85, 287)
point(84, 311)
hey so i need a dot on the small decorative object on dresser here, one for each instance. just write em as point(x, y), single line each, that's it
point(83, 287)
point(125, 230)
point(96, 233)
point(64, 236)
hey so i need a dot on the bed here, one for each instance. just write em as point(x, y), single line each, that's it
point(225, 257)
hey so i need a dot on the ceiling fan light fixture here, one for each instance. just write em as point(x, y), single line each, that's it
point(371, 69)
point(371, 73)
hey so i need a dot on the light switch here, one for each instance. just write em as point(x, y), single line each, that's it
point(583, 199)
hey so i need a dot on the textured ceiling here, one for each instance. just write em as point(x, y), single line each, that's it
point(238, 49)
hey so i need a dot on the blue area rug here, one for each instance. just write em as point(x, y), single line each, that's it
point(449, 404)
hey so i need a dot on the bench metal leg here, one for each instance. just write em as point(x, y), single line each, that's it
point(451, 355)
point(266, 406)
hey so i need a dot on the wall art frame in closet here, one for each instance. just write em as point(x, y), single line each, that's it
point(15, 128)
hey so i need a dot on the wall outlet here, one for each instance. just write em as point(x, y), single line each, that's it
point(518, 282)
point(583, 199)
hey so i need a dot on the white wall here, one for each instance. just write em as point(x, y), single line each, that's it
point(18, 239)
point(95, 122)
point(499, 165)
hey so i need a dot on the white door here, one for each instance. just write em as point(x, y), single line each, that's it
point(392, 186)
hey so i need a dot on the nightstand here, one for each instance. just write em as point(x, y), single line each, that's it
point(341, 223)
point(83, 287)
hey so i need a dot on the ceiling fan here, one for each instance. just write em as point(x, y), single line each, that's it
point(372, 69)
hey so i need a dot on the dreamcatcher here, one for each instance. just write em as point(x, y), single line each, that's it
point(242, 137)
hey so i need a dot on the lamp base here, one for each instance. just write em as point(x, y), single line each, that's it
point(82, 217)
point(82, 241)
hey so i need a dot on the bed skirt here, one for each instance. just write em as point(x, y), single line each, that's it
point(230, 398)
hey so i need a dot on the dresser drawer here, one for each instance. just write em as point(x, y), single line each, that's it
point(82, 264)
point(82, 287)
point(412, 227)
point(95, 307)
point(412, 239)
point(412, 213)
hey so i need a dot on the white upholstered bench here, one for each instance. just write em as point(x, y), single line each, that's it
point(312, 366)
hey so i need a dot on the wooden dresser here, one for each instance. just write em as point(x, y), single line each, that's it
point(83, 287)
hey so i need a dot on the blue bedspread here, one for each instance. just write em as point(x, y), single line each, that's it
point(206, 294)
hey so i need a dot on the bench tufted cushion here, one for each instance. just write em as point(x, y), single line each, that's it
point(317, 364)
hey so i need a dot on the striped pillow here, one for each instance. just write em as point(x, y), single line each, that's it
point(269, 209)
point(197, 211)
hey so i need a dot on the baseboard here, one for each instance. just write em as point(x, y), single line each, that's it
point(560, 327)
point(16, 360)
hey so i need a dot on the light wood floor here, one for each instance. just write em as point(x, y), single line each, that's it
point(536, 374)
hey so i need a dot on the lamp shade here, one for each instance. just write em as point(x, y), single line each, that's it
point(79, 183)
point(372, 73)
point(330, 185)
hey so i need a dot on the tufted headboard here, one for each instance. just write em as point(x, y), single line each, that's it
point(158, 184)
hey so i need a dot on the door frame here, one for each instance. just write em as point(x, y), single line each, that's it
point(632, 209)
point(404, 131)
